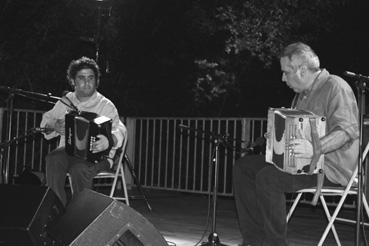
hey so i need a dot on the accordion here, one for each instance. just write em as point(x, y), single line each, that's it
point(285, 125)
point(81, 129)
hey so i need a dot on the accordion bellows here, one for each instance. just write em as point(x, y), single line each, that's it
point(81, 129)
point(285, 125)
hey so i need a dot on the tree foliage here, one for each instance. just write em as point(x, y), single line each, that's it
point(255, 32)
point(262, 28)
point(164, 57)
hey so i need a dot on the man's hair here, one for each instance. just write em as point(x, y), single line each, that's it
point(305, 53)
point(83, 63)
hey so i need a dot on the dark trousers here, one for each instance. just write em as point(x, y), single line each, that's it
point(59, 163)
point(259, 190)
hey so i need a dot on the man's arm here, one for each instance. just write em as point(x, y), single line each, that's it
point(118, 129)
point(302, 148)
point(334, 141)
point(54, 119)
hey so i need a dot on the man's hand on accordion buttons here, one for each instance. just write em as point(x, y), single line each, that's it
point(301, 148)
point(101, 144)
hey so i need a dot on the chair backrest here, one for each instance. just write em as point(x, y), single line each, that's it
point(355, 173)
point(120, 152)
point(364, 155)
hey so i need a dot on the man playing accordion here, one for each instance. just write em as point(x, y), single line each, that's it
point(260, 187)
point(83, 75)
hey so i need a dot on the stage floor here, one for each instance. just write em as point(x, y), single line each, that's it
point(182, 219)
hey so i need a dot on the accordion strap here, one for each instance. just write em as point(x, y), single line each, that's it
point(317, 152)
point(319, 185)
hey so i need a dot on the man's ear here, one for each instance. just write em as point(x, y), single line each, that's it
point(303, 70)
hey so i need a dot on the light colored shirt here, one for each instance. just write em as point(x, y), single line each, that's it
point(331, 97)
point(98, 104)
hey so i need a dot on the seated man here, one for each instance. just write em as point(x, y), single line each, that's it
point(260, 187)
point(83, 75)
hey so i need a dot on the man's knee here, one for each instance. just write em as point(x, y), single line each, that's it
point(50, 162)
point(49, 158)
point(267, 178)
point(241, 164)
point(55, 156)
point(236, 168)
point(76, 169)
point(249, 165)
point(240, 169)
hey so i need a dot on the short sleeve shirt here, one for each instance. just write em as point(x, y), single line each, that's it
point(330, 96)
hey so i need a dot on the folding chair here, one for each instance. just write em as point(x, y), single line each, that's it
point(350, 189)
point(115, 173)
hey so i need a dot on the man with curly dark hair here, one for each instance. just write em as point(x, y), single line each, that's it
point(84, 76)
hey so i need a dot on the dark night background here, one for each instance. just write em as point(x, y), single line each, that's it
point(177, 57)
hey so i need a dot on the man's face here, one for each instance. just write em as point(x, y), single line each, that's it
point(293, 74)
point(85, 83)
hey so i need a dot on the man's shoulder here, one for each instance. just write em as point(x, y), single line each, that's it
point(337, 82)
point(100, 97)
point(104, 100)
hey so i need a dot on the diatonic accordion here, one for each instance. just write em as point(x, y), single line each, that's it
point(285, 125)
point(81, 129)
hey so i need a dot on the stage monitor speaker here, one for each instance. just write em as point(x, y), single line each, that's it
point(92, 218)
point(25, 213)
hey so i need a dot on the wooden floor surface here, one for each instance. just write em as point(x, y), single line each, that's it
point(182, 219)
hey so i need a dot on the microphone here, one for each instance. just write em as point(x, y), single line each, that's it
point(64, 93)
point(183, 126)
point(5, 88)
point(42, 129)
point(70, 103)
point(356, 76)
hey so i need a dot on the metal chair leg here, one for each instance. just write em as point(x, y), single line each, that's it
point(137, 182)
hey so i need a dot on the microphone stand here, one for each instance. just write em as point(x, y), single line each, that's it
point(361, 84)
point(213, 239)
point(47, 98)
point(10, 107)
point(361, 88)
point(4, 177)
point(218, 139)
point(7, 145)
